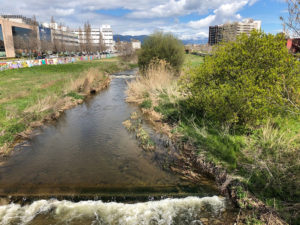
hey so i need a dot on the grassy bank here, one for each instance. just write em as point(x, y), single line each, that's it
point(265, 159)
point(29, 95)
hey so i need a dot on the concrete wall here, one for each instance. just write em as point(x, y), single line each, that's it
point(8, 35)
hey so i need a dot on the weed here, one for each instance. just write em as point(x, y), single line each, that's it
point(75, 95)
point(147, 104)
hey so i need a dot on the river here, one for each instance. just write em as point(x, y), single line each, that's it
point(86, 168)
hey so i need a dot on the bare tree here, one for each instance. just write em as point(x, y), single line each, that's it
point(88, 38)
point(46, 46)
point(292, 22)
point(81, 39)
point(102, 46)
point(62, 38)
point(52, 19)
point(26, 43)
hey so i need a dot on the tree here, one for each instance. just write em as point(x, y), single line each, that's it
point(102, 46)
point(88, 38)
point(246, 81)
point(81, 40)
point(292, 22)
point(62, 42)
point(162, 46)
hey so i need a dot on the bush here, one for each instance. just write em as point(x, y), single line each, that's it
point(162, 47)
point(246, 81)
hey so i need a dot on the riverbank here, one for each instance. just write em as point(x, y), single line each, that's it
point(227, 157)
point(30, 97)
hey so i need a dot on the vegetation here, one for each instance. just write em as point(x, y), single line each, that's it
point(240, 109)
point(246, 81)
point(160, 46)
point(30, 94)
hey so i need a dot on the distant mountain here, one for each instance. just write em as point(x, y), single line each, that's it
point(128, 38)
point(197, 42)
point(141, 38)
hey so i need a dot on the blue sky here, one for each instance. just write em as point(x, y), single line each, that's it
point(188, 19)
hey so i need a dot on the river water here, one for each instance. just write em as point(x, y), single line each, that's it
point(88, 169)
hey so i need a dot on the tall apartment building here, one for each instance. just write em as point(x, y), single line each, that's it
point(105, 31)
point(229, 31)
point(108, 39)
point(94, 36)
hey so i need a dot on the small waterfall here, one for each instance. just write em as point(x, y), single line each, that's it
point(190, 210)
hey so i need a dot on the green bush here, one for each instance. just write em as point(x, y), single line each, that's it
point(162, 47)
point(246, 81)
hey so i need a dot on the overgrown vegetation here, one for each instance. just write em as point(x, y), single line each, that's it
point(246, 81)
point(30, 94)
point(239, 108)
point(161, 46)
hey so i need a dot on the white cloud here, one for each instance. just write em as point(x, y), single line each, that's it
point(224, 13)
point(144, 16)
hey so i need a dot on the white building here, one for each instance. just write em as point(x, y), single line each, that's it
point(136, 44)
point(107, 35)
point(105, 31)
point(247, 25)
point(95, 36)
point(229, 31)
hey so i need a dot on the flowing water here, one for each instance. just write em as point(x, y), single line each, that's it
point(87, 169)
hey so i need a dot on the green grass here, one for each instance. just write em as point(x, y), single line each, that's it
point(23, 88)
point(146, 104)
point(266, 157)
point(192, 61)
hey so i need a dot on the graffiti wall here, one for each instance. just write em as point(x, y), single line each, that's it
point(54, 61)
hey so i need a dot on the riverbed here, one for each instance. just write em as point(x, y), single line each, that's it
point(86, 168)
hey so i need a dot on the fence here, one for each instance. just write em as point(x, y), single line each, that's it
point(55, 61)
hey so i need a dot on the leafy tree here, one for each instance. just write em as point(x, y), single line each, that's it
point(246, 81)
point(164, 47)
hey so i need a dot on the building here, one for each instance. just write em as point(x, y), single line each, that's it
point(108, 39)
point(230, 31)
point(19, 19)
point(13, 29)
point(136, 44)
point(95, 36)
point(293, 45)
point(59, 35)
point(98, 35)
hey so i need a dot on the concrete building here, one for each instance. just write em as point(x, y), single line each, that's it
point(10, 28)
point(229, 31)
point(136, 44)
point(108, 39)
point(107, 36)
point(293, 45)
point(95, 36)
point(61, 34)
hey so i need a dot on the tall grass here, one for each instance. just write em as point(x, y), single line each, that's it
point(156, 79)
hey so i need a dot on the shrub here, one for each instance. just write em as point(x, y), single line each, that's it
point(162, 47)
point(246, 81)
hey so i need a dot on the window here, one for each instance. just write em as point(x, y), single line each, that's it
point(2, 46)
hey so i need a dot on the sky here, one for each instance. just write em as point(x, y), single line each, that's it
point(187, 19)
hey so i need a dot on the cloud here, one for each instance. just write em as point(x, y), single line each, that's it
point(224, 13)
point(143, 17)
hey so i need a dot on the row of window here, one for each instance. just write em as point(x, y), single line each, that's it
point(2, 47)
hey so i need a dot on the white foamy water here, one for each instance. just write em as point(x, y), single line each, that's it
point(189, 210)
